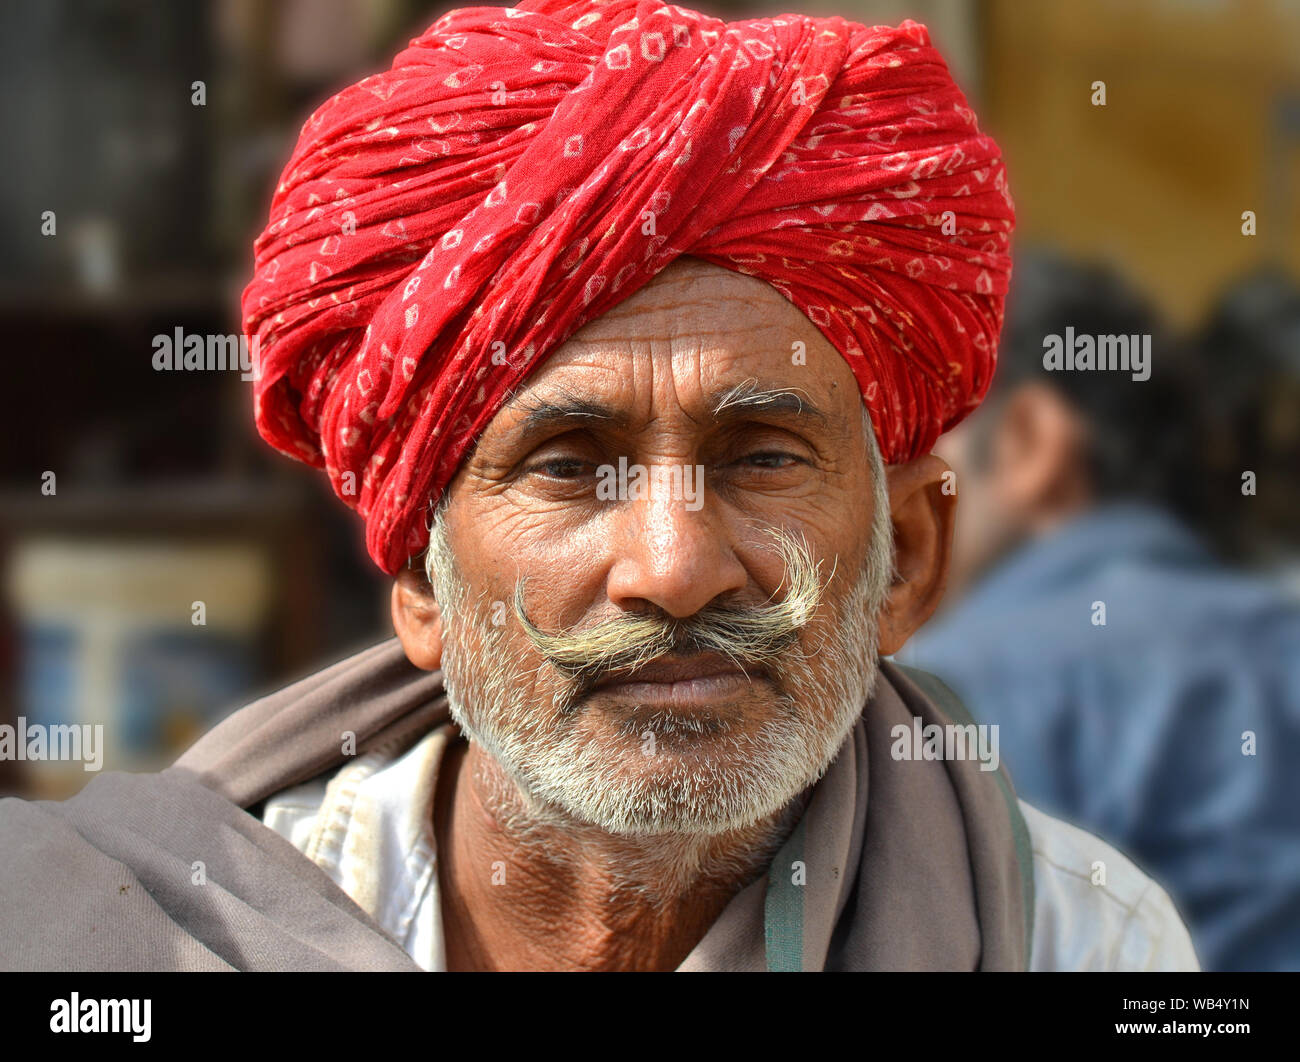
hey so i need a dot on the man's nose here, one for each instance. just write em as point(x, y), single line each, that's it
point(672, 557)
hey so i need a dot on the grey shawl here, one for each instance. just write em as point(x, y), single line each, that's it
point(170, 871)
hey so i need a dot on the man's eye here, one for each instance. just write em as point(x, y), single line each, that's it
point(561, 467)
point(771, 459)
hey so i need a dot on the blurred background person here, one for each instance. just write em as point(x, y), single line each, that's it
point(1248, 364)
point(1143, 689)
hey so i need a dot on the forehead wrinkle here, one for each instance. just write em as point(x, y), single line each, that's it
point(665, 325)
point(726, 302)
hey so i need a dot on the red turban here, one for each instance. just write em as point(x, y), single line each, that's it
point(443, 226)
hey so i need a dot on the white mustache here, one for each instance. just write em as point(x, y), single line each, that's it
point(747, 636)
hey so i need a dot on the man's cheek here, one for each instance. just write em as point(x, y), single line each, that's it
point(506, 652)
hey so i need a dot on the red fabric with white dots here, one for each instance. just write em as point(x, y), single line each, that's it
point(445, 225)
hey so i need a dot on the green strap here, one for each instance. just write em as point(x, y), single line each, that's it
point(934, 688)
point(783, 907)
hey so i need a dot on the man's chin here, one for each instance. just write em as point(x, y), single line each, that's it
point(629, 769)
point(688, 783)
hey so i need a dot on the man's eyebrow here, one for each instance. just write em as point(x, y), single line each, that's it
point(577, 410)
point(748, 397)
point(542, 413)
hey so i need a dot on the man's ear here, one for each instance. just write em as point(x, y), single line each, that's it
point(417, 619)
point(1039, 451)
point(923, 515)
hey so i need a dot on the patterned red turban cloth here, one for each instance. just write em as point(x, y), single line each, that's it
point(444, 226)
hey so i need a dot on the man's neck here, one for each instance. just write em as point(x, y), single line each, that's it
point(522, 894)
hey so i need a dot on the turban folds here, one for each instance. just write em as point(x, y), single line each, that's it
point(443, 226)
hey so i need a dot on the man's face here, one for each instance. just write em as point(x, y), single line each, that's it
point(682, 648)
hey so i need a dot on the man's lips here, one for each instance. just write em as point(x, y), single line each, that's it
point(675, 682)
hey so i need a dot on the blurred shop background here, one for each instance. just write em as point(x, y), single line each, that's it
point(128, 495)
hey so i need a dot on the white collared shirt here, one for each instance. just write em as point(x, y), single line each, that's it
point(370, 828)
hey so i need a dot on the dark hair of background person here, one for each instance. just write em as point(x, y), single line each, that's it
point(1249, 347)
point(1146, 437)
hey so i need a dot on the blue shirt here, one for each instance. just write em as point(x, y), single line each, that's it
point(1171, 731)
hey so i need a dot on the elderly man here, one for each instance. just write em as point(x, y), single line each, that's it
point(628, 332)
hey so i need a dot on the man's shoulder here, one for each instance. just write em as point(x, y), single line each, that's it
point(1094, 909)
